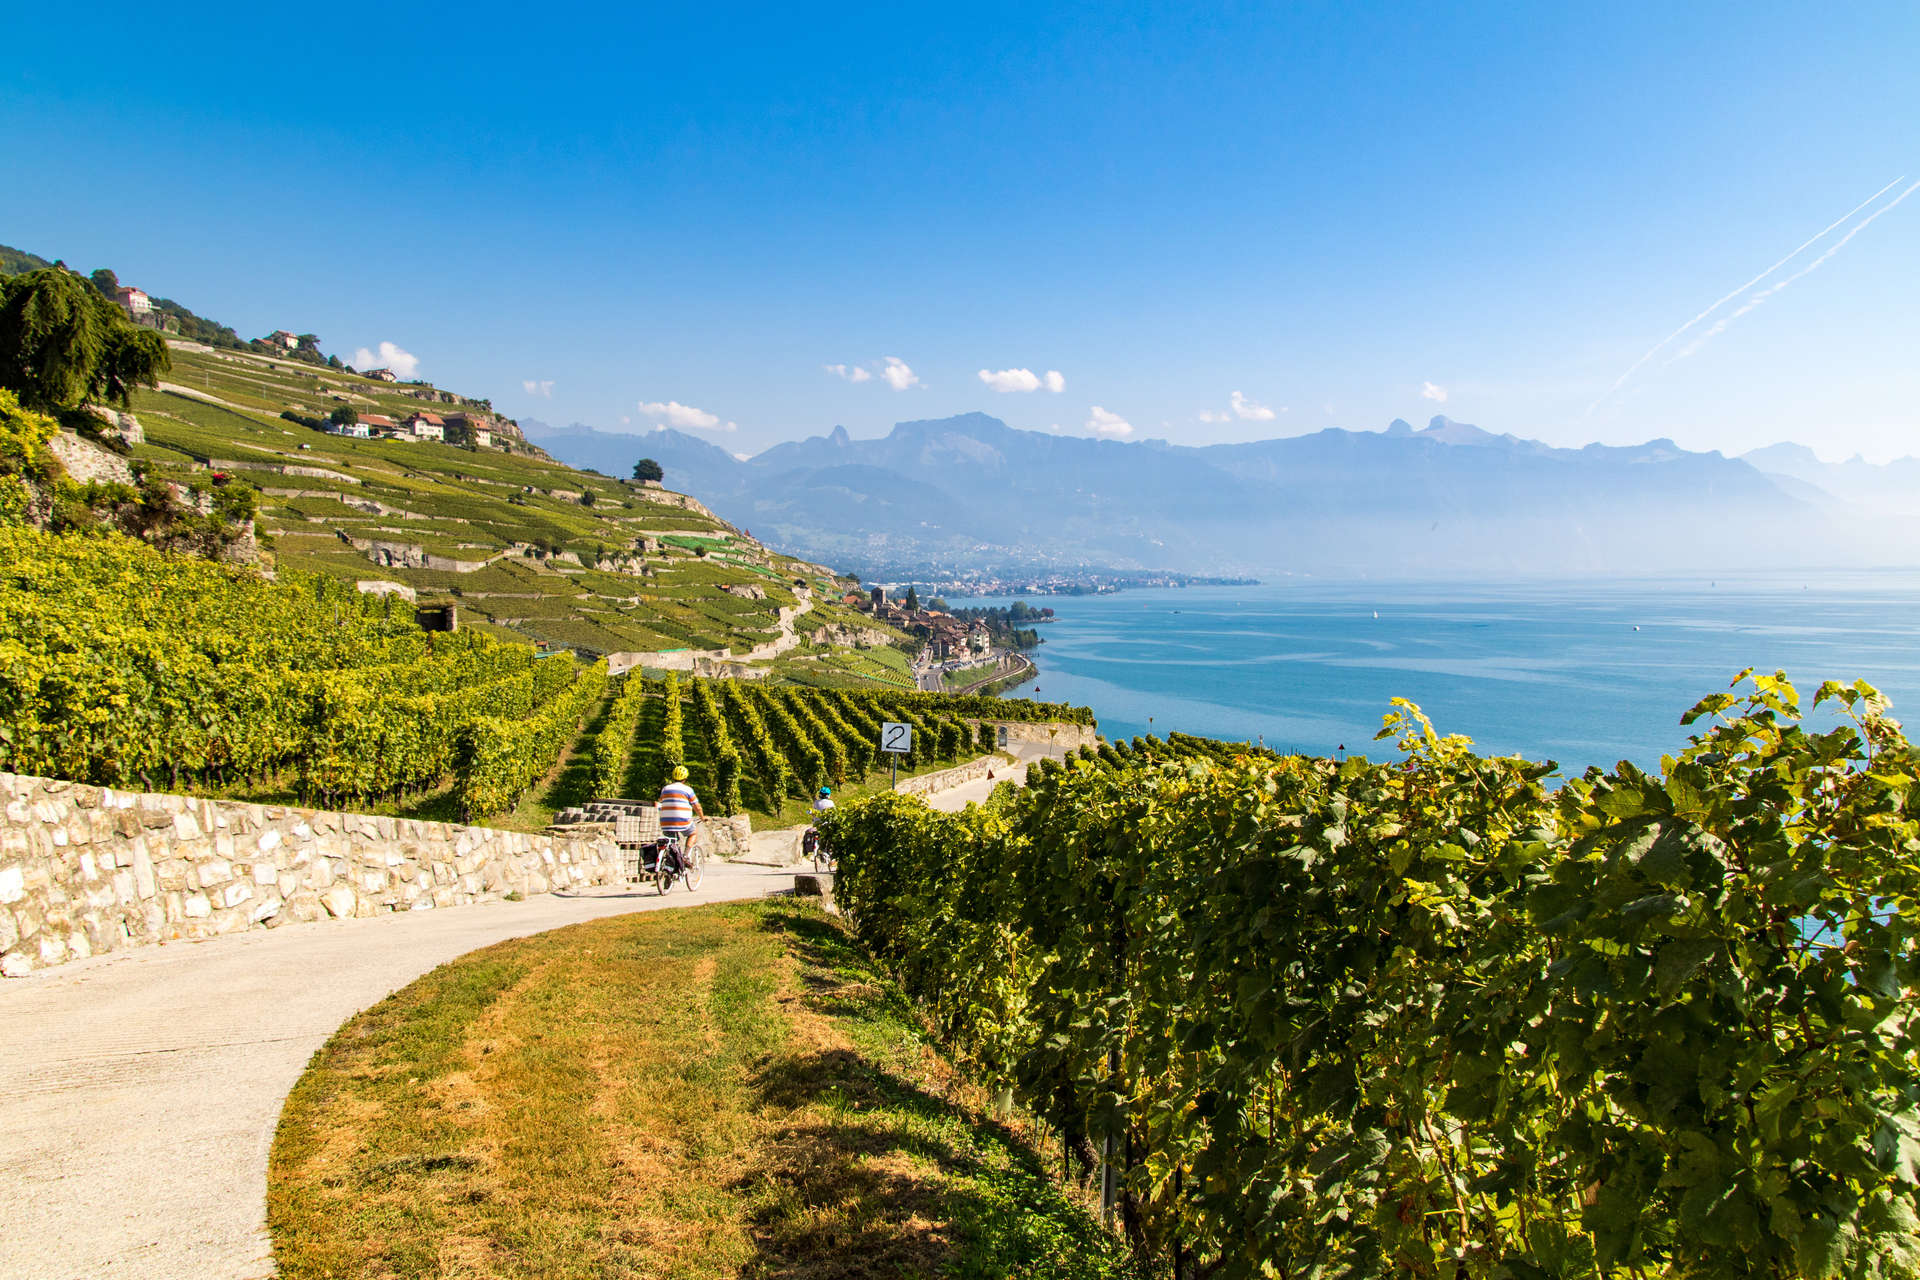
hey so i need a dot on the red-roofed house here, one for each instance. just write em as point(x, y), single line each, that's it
point(135, 302)
point(427, 426)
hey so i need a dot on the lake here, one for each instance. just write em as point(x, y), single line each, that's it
point(1582, 673)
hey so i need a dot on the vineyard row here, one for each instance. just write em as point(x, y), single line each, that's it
point(1434, 1017)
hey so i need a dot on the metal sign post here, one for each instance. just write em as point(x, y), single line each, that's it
point(896, 740)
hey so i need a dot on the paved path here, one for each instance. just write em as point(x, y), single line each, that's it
point(954, 799)
point(139, 1091)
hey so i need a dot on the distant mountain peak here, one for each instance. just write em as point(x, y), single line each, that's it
point(1399, 427)
point(839, 437)
point(1447, 431)
point(1773, 455)
point(974, 421)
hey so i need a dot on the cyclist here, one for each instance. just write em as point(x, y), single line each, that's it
point(812, 843)
point(679, 806)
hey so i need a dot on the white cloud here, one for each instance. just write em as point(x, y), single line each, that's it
point(1428, 391)
point(1242, 408)
point(1105, 423)
point(1024, 380)
point(852, 373)
point(676, 414)
point(1251, 411)
point(543, 389)
point(1011, 380)
point(388, 356)
point(898, 375)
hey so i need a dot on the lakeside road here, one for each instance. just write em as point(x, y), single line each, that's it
point(140, 1090)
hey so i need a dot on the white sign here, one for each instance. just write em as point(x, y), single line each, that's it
point(896, 737)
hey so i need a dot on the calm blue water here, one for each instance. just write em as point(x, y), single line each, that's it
point(1549, 671)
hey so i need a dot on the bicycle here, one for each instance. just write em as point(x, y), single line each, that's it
point(684, 865)
point(814, 845)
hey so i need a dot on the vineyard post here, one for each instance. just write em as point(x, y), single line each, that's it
point(1106, 1179)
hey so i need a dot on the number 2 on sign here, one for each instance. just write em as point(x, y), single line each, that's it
point(896, 737)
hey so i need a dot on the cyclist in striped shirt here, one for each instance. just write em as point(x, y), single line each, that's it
point(679, 806)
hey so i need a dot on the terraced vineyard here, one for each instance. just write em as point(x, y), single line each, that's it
point(129, 667)
point(766, 750)
point(527, 547)
point(1433, 1017)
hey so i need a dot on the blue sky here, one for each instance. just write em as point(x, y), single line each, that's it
point(1340, 213)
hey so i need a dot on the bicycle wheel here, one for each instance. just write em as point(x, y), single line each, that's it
point(696, 871)
point(662, 876)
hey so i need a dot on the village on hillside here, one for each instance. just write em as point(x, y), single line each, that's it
point(955, 651)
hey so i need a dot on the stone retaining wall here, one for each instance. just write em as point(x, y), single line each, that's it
point(947, 779)
point(85, 869)
point(1058, 734)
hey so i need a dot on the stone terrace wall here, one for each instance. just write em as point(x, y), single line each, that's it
point(1058, 734)
point(84, 869)
point(947, 779)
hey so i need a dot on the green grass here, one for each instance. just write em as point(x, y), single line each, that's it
point(863, 668)
point(720, 1091)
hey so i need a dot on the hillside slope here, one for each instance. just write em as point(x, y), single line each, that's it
point(523, 543)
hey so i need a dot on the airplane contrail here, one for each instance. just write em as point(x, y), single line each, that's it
point(1757, 299)
point(1810, 242)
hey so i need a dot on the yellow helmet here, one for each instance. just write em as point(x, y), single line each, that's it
point(679, 773)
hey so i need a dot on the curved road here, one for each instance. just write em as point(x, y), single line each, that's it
point(139, 1091)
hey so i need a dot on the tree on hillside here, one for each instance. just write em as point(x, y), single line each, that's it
point(61, 343)
point(912, 603)
point(106, 282)
point(344, 416)
point(648, 469)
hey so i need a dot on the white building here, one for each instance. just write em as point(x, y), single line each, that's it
point(427, 426)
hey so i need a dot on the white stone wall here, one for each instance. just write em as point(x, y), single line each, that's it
point(1061, 736)
point(85, 869)
point(946, 779)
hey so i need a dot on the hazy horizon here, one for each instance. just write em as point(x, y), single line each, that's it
point(641, 432)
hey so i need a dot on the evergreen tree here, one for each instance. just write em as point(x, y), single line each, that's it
point(62, 343)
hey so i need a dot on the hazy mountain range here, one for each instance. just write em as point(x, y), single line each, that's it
point(1449, 498)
